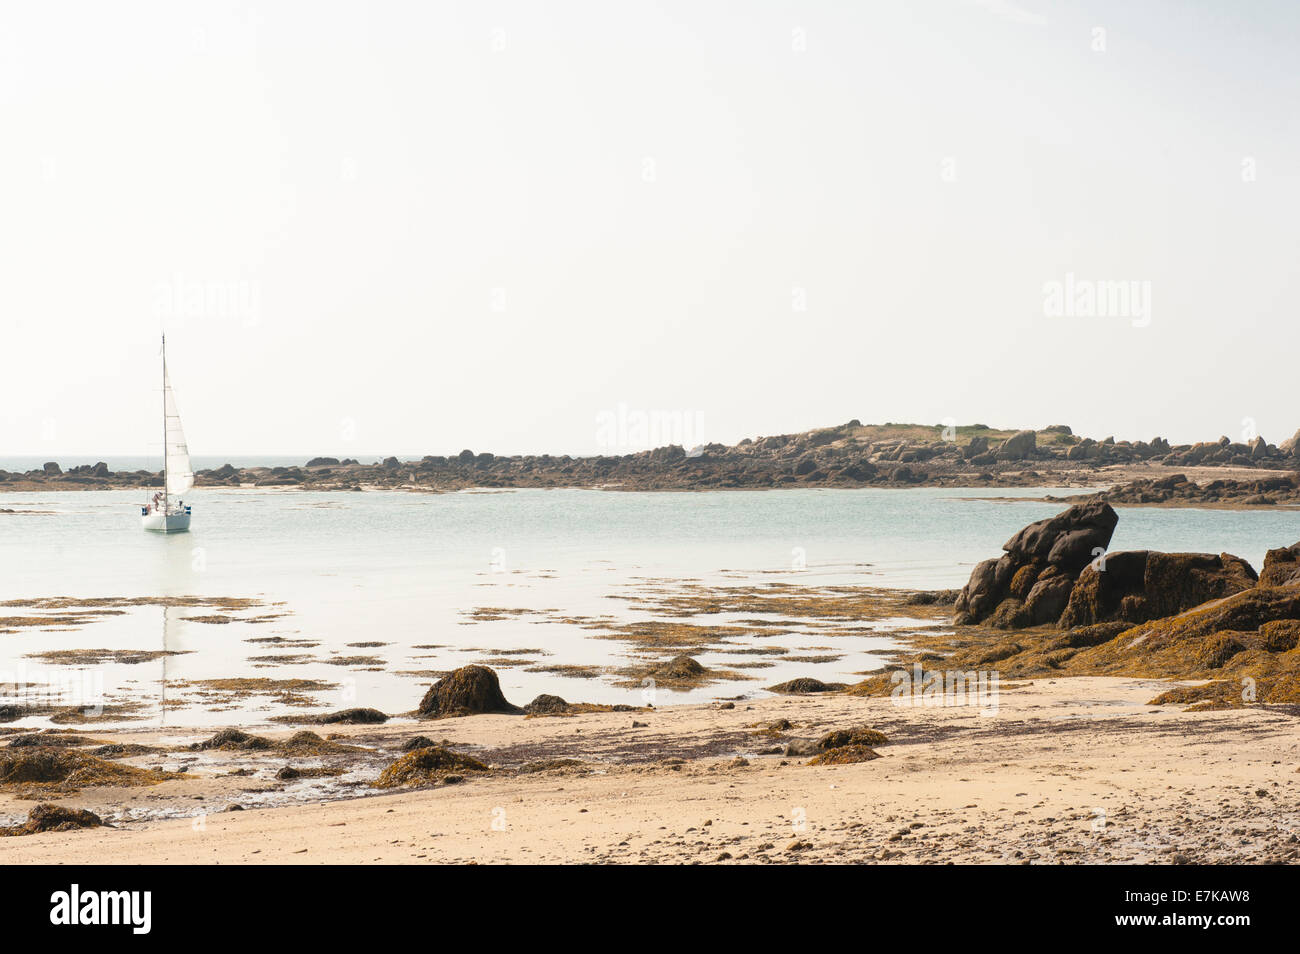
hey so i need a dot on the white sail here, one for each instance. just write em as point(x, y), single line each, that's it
point(179, 476)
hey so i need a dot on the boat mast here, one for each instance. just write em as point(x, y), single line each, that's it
point(164, 397)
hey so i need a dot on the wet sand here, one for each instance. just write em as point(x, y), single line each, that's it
point(1067, 770)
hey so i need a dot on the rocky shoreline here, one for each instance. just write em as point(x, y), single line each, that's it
point(850, 455)
point(1176, 490)
point(1057, 603)
point(1067, 771)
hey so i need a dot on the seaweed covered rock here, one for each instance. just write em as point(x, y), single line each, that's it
point(858, 735)
point(1244, 645)
point(845, 755)
point(1281, 567)
point(545, 704)
point(804, 685)
point(122, 750)
point(1215, 650)
point(47, 739)
point(1140, 585)
point(63, 770)
point(469, 690)
point(234, 740)
point(309, 743)
point(931, 597)
point(680, 669)
point(1279, 635)
point(46, 817)
point(1030, 584)
point(355, 716)
point(424, 766)
point(1081, 637)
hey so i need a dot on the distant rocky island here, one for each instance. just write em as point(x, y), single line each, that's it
point(848, 455)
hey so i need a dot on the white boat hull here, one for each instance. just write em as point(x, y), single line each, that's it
point(166, 522)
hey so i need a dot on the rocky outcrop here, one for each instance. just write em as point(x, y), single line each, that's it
point(1239, 650)
point(1177, 490)
point(1137, 586)
point(979, 445)
point(1281, 567)
point(1233, 638)
point(469, 690)
point(851, 455)
point(1019, 446)
point(1259, 621)
point(1031, 582)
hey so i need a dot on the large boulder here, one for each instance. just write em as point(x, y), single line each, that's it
point(1141, 585)
point(1281, 567)
point(1067, 540)
point(1019, 446)
point(469, 690)
point(1291, 445)
point(1030, 584)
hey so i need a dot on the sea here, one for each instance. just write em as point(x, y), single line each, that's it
point(362, 597)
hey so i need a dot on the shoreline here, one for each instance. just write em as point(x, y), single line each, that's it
point(846, 456)
point(1211, 488)
point(1067, 770)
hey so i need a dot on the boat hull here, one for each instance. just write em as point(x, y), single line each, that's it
point(166, 522)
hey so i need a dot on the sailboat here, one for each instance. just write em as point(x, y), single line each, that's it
point(162, 514)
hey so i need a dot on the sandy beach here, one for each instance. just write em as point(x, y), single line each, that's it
point(1066, 770)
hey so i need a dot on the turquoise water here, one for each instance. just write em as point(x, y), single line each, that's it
point(403, 569)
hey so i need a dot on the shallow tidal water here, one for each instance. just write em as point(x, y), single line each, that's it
point(407, 571)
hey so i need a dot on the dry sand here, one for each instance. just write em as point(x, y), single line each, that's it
point(1069, 770)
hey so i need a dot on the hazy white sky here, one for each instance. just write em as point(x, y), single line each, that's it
point(409, 228)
